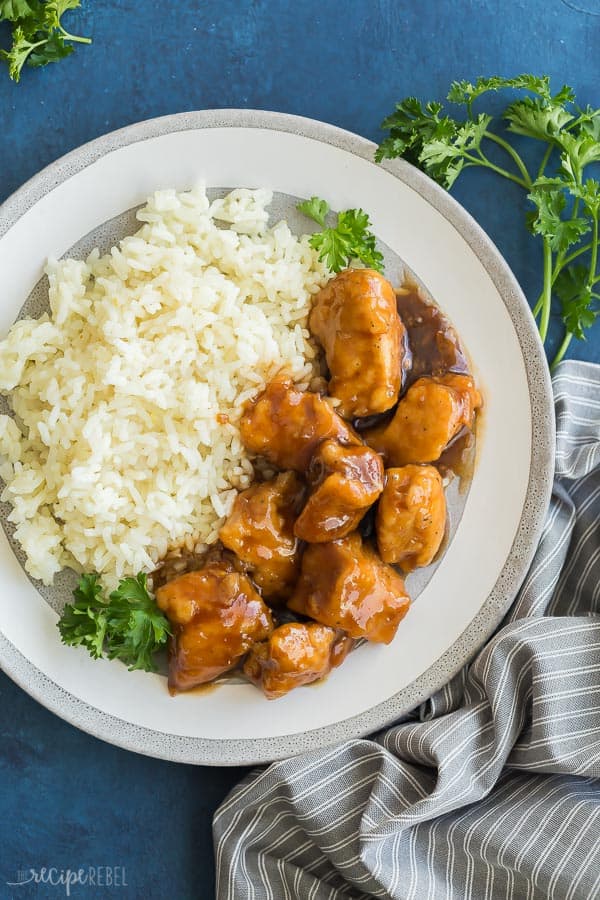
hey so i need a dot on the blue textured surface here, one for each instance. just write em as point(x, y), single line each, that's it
point(68, 799)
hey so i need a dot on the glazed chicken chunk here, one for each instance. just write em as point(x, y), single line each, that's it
point(345, 585)
point(411, 516)
point(347, 479)
point(285, 425)
point(260, 531)
point(217, 616)
point(429, 416)
point(296, 653)
point(356, 320)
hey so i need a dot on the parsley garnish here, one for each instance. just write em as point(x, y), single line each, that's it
point(315, 208)
point(38, 36)
point(350, 239)
point(129, 627)
point(565, 203)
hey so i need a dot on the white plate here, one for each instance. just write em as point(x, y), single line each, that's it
point(495, 539)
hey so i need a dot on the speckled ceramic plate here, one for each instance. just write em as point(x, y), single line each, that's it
point(87, 198)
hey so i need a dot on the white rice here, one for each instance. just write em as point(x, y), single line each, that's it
point(118, 452)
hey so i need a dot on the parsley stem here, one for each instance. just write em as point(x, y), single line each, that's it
point(562, 350)
point(561, 264)
point(547, 292)
point(74, 37)
point(545, 159)
point(513, 154)
point(560, 257)
point(484, 161)
point(572, 256)
point(15, 69)
point(594, 257)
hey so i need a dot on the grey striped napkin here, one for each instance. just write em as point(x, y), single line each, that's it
point(489, 789)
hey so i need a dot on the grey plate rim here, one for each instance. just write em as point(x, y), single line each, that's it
point(201, 751)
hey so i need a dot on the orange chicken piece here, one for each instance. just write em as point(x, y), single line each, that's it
point(428, 417)
point(356, 320)
point(286, 425)
point(260, 531)
point(411, 516)
point(217, 616)
point(296, 653)
point(347, 480)
point(345, 585)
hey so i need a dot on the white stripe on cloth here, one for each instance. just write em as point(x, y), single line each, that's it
point(491, 789)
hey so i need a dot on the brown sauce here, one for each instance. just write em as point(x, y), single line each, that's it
point(433, 342)
point(459, 458)
point(206, 688)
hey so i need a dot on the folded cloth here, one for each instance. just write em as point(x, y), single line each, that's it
point(488, 790)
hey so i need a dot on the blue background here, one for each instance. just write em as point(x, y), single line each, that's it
point(70, 800)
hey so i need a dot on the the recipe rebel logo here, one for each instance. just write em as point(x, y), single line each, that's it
point(67, 879)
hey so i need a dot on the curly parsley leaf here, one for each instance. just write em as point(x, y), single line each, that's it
point(589, 194)
point(351, 238)
point(88, 590)
point(83, 623)
point(333, 248)
point(130, 627)
point(439, 144)
point(13, 10)
point(463, 92)
point(537, 118)
point(579, 150)
point(315, 209)
point(588, 123)
point(53, 13)
point(443, 160)
point(577, 299)
point(54, 48)
point(549, 197)
point(136, 628)
point(54, 9)
point(38, 36)
point(411, 128)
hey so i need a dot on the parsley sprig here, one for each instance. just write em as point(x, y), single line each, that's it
point(129, 627)
point(564, 202)
point(349, 240)
point(38, 35)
